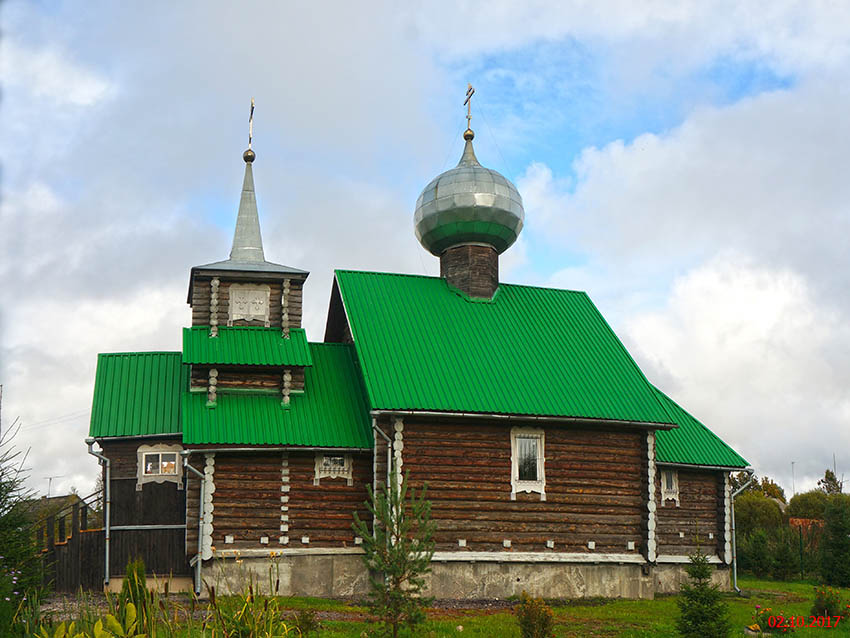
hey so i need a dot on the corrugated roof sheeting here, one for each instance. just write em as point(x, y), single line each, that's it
point(537, 351)
point(137, 394)
point(330, 413)
point(246, 346)
point(692, 443)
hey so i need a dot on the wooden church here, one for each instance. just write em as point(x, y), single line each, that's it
point(552, 464)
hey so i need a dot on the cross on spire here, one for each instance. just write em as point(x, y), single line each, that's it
point(251, 124)
point(468, 104)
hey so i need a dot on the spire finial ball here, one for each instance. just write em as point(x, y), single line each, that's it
point(468, 135)
point(248, 156)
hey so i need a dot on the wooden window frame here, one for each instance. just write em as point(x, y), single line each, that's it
point(538, 486)
point(144, 450)
point(669, 493)
point(321, 472)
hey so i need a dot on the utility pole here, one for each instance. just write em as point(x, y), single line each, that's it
point(793, 481)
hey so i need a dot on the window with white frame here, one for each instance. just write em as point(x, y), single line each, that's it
point(330, 465)
point(527, 462)
point(158, 464)
point(669, 487)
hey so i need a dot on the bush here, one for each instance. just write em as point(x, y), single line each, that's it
point(835, 557)
point(753, 510)
point(828, 603)
point(807, 505)
point(754, 554)
point(534, 616)
point(702, 612)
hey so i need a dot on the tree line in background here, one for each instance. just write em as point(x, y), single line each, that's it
point(806, 537)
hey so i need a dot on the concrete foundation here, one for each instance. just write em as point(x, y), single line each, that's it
point(344, 576)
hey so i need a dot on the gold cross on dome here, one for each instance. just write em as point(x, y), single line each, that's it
point(468, 104)
point(251, 124)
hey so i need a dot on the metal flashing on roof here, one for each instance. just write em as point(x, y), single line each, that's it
point(243, 345)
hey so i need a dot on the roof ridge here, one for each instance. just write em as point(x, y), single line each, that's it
point(117, 354)
point(418, 276)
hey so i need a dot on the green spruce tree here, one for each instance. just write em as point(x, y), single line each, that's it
point(702, 612)
point(835, 553)
point(397, 553)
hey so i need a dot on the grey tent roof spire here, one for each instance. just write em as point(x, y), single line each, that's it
point(247, 240)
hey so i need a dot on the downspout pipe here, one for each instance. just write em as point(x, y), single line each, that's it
point(203, 481)
point(107, 503)
point(734, 537)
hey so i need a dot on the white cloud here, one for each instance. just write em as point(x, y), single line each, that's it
point(49, 73)
point(748, 350)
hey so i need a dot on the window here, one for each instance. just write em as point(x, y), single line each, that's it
point(527, 462)
point(159, 463)
point(669, 487)
point(329, 465)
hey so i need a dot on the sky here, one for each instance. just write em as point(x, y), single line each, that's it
point(685, 163)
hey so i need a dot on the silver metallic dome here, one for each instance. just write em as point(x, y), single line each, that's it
point(468, 204)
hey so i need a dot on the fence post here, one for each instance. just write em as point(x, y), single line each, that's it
point(84, 516)
point(49, 566)
point(74, 549)
point(40, 536)
point(51, 531)
point(62, 535)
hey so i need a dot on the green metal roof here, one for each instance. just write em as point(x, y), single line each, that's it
point(692, 443)
point(246, 346)
point(137, 394)
point(332, 411)
point(424, 345)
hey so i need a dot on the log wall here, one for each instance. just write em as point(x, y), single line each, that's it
point(250, 492)
point(593, 488)
point(698, 514)
point(247, 377)
point(201, 301)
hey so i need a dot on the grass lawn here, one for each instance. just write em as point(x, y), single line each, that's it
point(603, 618)
point(574, 619)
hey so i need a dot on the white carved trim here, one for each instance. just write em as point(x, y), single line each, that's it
point(669, 493)
point(651, 545)
point(212, 388)
point(536, 557)
point(286, 385)
point(208, 506)
point(398, 448)
point(254, 552)
point(214, 285)
point(539, 485)
point(333, 472)
point(727, 523)
point(142, 478)
point(284, 490)
point(669, 558)
point(284, 308)
point(249, 302)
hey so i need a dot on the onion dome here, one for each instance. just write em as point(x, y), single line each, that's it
point(468, 204)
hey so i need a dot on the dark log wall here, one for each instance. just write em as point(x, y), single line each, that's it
point(593, 488)
point(247, 377)
point(324, 513)
point(472, 268)
point(247, 499)
point(155, 504)
point(201, 301)
point(698, 513)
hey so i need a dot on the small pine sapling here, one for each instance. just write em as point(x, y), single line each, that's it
point(702, 611)
point(398, 553)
